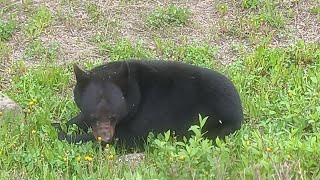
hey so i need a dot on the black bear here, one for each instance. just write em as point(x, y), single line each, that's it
point(129, 99)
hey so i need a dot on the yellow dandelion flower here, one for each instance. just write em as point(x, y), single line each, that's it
point(289, 156)
point(111, 157)
point(99, 139)
point(33, 131)
point(65, 158)
point(1, 113)
point(28, 110)
point(107, 145)
point(88, 158)
point(78, 158)
point(248, 142)
point(290, 94)
point(34, 100)
point(251, 20)
point(181, 157)
point(268, 149)
point(31, 103)
point(46, 134)
point(222, 6)
point(261, 19)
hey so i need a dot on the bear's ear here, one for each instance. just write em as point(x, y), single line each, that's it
point(81, 75)
point(123, 77)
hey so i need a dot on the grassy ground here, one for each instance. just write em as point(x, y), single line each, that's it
point(270, 50)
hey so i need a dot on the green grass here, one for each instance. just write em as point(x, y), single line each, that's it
point(37, 23)
point(279, 88)
point(194, 53)
point(45, 53)
point(93, 11)
point(280, 138)
point(168, 16)
point(315, 10)
point(5, 50)
point(124, 49)
point(250, 3)
point(7, 29)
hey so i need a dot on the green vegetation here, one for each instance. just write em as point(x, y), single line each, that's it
point(39, 51)
point(124, 49)
point(194, 53)
point(93, 12)
point(315, 10)
point(279, 87)
point(250, 3)
point(7, 29)
point(168, 16)
point(38, 22)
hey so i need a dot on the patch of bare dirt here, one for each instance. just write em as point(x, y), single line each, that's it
point(73, 30)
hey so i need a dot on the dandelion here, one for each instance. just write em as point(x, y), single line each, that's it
point(268, 149)
point(251, 20)
point(248, 142)
point(99, 139)
point(289, 156)
point(111, 157)
point(78, 158)
point(181, 157)
point(88, 158)
point(34, 100)
point(261, 19)
point(107, 146)
point(65, 158)
point(28, 111)
point(222, 6)
point(31, 103)
point(33, 131)
point(290, 94)
point(1, 113)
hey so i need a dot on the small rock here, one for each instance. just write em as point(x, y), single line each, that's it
point(8, 105)
point(132, 159)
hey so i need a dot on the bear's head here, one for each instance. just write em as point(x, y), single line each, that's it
point(101, 101)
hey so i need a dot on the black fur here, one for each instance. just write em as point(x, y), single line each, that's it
point(138, 97)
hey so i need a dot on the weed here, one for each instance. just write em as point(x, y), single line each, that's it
point(38, 22)
point(168, 16)
point(315, 10)
point(304, 54)
point(223, 8)
point(193, 53)
point(280, 99)
point(7, 29)
point(4, 51)
point(93, 11)
point(124, 49)
point(272, 15)
point(37, 50)
point(250, 3)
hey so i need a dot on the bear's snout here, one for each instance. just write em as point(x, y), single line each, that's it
point(103, 131)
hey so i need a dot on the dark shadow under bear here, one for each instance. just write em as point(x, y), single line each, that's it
point(128, 99)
